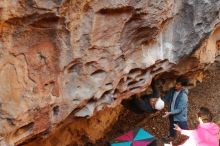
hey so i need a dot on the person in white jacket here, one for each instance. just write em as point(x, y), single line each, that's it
point(206, 134)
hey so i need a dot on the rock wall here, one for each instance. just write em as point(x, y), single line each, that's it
point(72, 58)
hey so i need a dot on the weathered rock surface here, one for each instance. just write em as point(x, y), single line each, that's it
point(72, 58)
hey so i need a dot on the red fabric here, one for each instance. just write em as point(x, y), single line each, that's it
point(126, 137)
point(141, 143)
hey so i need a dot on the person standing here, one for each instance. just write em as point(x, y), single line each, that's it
point(206, 134)
point(177, 99)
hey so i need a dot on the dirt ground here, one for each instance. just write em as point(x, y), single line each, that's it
point(205, 94)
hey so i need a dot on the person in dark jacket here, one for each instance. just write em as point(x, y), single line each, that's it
point(177, 99)
point(146, 103)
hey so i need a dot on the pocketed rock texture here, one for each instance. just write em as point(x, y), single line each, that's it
point(62, 59)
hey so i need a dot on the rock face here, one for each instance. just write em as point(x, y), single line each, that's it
point(61, 59)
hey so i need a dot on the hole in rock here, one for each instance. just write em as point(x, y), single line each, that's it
point(98, 73)
point(218, 45)
point(135, 70)
point(10, 122)
point(134, 88)
point(56, 110)
point(106, 93)
point(91, 100)
point(24, 129)
point(75, 68)
point(91, 63)
point(156, 70)
point(199, 24)
point(131, 103)
point(108, 84)
point(49, 84)
point(115, 94)
point(48, 21)
point(126, 9)
point(121, 82)
point(57, 1)
point(132, 83)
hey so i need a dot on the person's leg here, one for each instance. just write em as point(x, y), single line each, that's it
point(155, 90)
point(172, 131)
point(154, 143)
point(183, 125)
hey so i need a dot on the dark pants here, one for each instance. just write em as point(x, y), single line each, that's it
point(154, 143)
point(181, 124)
point(155, 90)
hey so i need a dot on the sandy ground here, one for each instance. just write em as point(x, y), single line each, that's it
point(205, 94)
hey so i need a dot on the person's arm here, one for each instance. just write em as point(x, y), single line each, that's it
point(187, 132)
point(181, 105)
point(184, 132)
point(166, 99)
point(170, 144)
point(167, 96)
